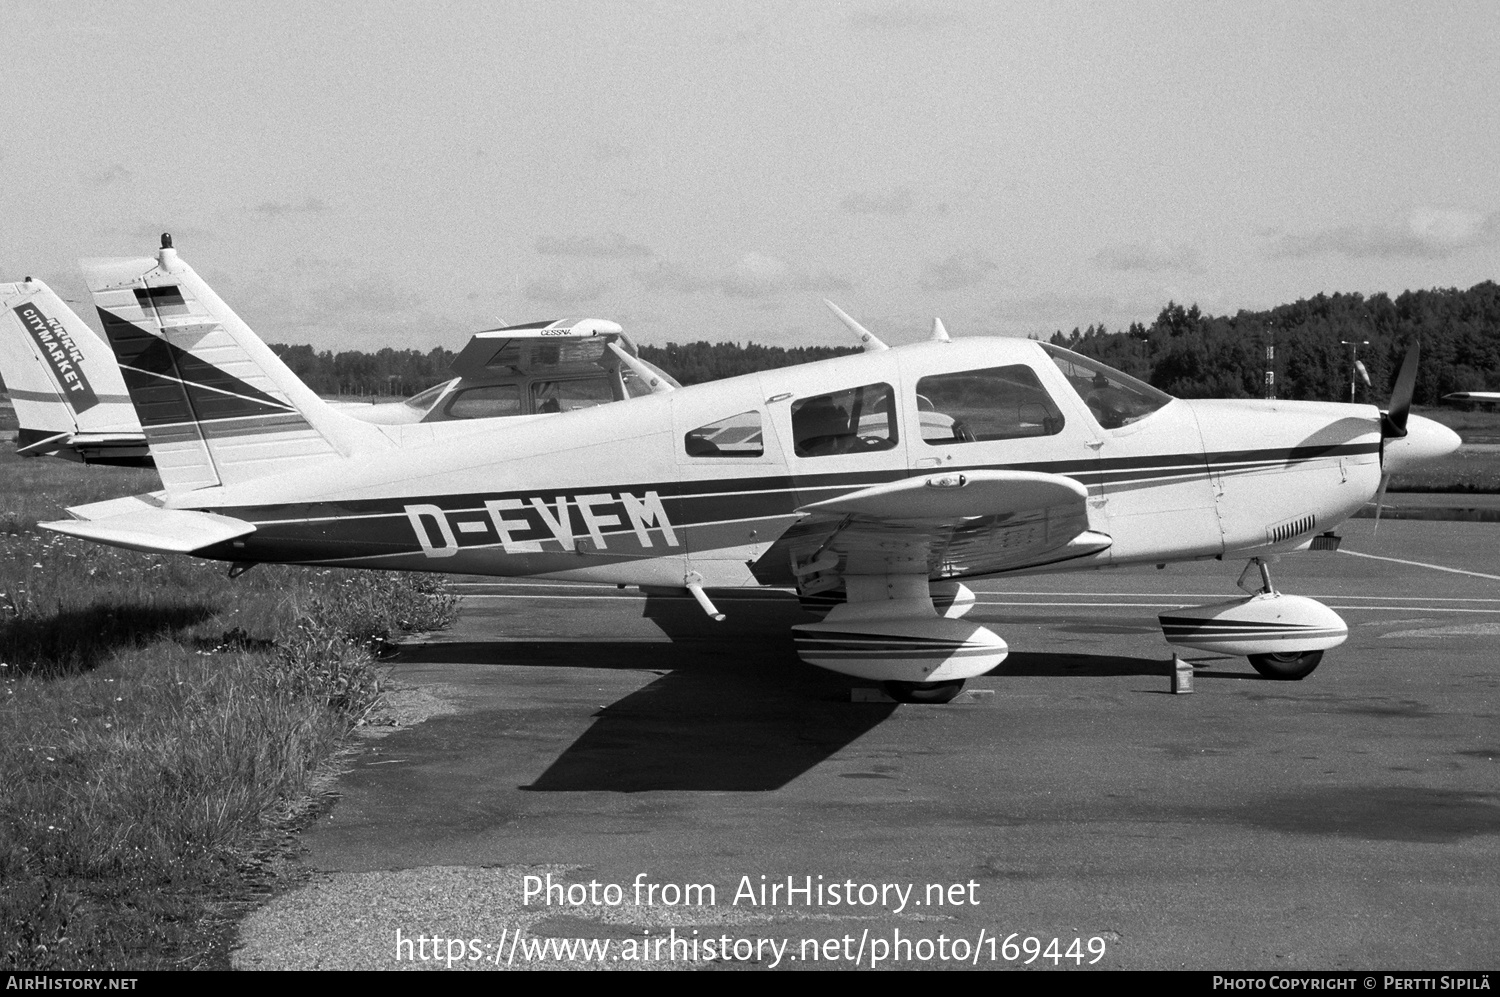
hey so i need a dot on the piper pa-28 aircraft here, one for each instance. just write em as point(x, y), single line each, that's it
point(875, 483)
point(71, 400)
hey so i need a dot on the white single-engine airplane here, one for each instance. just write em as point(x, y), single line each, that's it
point(874, 483)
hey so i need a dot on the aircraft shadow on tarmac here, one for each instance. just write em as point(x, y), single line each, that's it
point(1025, 664)
point(733, 710)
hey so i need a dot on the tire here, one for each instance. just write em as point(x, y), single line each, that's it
point(923, 692)
point(1289, 666)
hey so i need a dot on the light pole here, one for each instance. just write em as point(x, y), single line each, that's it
point(1354, 345)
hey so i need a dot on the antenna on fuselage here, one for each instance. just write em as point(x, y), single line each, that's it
point(867, 339)
point(939, 333)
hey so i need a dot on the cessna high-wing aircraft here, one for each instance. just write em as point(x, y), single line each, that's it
point(71, 400)
point(874, 483)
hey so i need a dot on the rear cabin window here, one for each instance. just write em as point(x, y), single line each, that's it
point(997, 403)
point(856, 420)
point(737, 436)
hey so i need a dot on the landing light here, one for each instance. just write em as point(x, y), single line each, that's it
point(948, 481)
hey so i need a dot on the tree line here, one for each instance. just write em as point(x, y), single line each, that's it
point(1188, 353)
point(405, 372)
point(1184, 351)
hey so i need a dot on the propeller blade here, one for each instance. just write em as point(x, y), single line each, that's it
point(1393, 420)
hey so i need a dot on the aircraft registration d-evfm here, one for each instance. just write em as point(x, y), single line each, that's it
point(873, 484)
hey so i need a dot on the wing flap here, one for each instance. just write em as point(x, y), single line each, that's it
point(168, 531)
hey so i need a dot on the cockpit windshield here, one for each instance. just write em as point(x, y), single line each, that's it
point(1115, 399)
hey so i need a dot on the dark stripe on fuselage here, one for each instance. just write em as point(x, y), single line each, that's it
point(371, 527)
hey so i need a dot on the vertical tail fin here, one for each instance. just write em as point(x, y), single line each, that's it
point(68, 394)
point(217, 406)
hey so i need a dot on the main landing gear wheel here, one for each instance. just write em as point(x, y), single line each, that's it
point(923, 692)
point(1288, 666)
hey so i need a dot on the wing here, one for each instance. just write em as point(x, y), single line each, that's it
point(943, 526)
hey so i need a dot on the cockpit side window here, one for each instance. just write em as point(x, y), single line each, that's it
point(997, 403)
point(736, 436)
point(855, 420)
point(1115, 399)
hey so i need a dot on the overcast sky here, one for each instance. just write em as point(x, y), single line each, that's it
point(358, 175)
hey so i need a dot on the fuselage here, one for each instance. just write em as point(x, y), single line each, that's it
point(707, 480)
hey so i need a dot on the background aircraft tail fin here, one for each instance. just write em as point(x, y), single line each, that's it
point(217, 406)
point(61, 376)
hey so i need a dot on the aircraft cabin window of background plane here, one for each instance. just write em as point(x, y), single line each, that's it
point(424, 400)
point(565, 396)
point(737, 436)
point(998, 403)
point(850, 421)
point(486, 402)
point(1115, 399)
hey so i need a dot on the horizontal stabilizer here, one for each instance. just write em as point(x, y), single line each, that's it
point(950, 496)
point(167, 531)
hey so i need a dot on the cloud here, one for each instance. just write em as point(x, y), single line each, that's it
point(741, 36)
point(670, 277)
point(615, 247)
point(957, 271)
point(609, 151)
point(756, 275)
point(897, 202)
point(553, 290)
point(364, 295)
point(753, 276)
point(1084, 308)
point(308, 206)
point(104, 178)
point(1148, 256)
point(914, 17)
point(1422, 233)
